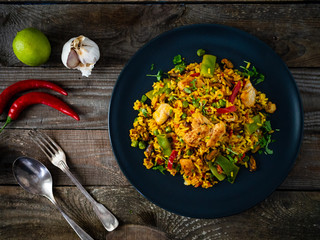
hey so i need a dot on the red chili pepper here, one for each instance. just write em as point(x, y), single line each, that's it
point(35, 98)
point(195, 75)
point(235, 92)
point(173, 155)
point(24, 85)
point(242, 157)
point(226, 110)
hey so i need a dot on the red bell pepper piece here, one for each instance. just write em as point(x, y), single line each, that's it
point(226, 110)
point(195, 74)
point(219, 169)
point(173, 155)
point(235, 92)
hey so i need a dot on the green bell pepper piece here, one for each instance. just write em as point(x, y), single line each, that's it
point(208, 65)
point(164, 144)
point(229, 168)
point(150, 94)
point(254, 126)
point(214, 171)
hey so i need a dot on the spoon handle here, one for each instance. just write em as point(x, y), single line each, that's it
point(79, 231)
point(108, 220)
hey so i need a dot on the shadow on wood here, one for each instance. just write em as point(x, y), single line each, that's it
point(135, 232)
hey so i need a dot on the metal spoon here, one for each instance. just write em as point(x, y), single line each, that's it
point(35, 178)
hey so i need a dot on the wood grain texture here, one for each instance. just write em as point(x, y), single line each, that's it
point(152, 1)
point(89, 156)
point(90, 97)
point(120, 28)
point(292, 30)
point(91, 159)
point(284, 215)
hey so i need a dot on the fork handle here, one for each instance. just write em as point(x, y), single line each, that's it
point(108, 220)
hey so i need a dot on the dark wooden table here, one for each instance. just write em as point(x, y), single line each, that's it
point(120, 28)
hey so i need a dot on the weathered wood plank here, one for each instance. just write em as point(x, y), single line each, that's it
point(90, 97)
point(153, 1)
point(90, 157)
point(292, 30)
point(284, 215)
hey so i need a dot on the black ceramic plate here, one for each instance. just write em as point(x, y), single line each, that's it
point(224, 198)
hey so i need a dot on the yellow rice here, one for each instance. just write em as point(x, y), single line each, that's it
point(235, 140)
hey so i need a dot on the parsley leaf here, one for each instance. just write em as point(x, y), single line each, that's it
point(145, 112)
point(177, 59)
point(180, 64)
point(181, 67)
point(253, 73)
point(160, 168)
point(267, 126)
point(193, 82)
point(159, 75)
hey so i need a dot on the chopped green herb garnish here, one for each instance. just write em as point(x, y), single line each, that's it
point(181, 67)
point(267, 126)
point(144, 98)
point(187, 90)
point(193, 82)
point(159, 75)
point(160, 168)
point(145, 112)
point(230, 150)
point(152, 67)
point(180, 64)
point(177, 59)
point(264, 143)
point(253, 73)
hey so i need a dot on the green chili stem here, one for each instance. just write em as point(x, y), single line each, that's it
point(9, 120)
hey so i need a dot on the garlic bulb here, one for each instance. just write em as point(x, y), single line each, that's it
point(80, 53)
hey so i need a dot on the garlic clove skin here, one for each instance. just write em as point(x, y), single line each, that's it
point(80, 53)
point(73, 59)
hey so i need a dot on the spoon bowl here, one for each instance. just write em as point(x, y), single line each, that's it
point(35, 178)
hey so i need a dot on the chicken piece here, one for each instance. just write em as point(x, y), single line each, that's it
point(187, 166)
point(187, 83)
point(199, 120)
point(194, 137)
point(162, 113)
point(271, 107)
point(216, 133)
point(202, 128)
point(227, 63)
point(248, 95)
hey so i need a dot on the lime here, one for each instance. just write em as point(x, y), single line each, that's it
point(31, 47)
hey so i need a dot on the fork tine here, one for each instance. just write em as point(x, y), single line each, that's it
point(50, 140)
point(43, 147)
point(43, 143)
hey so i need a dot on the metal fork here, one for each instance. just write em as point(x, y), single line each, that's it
point(58, 158)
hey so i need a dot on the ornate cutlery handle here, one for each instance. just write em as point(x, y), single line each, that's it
point(108, 220)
